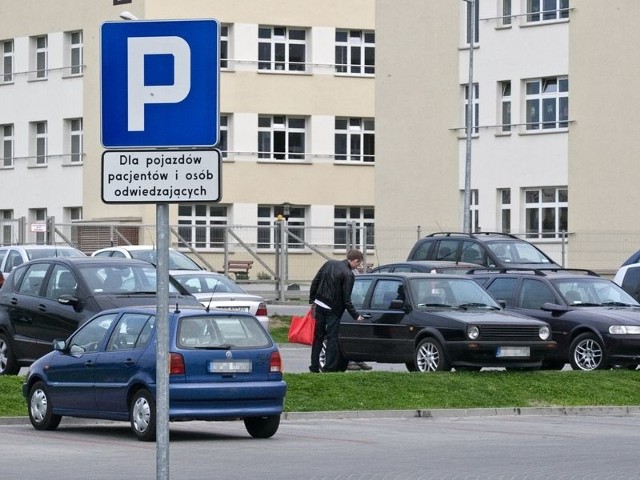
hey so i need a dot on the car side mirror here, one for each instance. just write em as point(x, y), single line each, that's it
point(72, 301)
point(59, 345)
point(396, 305)
point(554, 308)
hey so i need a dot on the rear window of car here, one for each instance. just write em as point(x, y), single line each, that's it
point(218, 332)
point(53, 252)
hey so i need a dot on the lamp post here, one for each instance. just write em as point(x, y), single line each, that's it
point(466, 225)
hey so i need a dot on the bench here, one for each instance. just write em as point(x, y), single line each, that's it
point(240, 268)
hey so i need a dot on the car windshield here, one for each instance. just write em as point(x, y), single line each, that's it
point(121, 279)
point(177, 260)
point(517, 252)
point(450, 292)
point(593, 291)
point(53, 252)
point(208, 283)
point(219, 332)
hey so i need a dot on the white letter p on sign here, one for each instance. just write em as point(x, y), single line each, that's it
point(140, 94)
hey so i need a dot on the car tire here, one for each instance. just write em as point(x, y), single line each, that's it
point(8, 362)
point(429, 356)
point(342, 362)
point(411, 366)
point(587, 353)
point(142, 415)
point(41, 408)
point(262, 427)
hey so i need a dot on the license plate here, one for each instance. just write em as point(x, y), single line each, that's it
point(235, 309)
point(513, 352)
point(230, 366)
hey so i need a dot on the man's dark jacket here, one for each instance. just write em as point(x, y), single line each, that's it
point(332, 285)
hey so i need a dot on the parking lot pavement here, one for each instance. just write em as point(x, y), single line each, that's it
point(296, 359)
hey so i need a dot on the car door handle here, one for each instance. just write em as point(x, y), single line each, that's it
point(88, 364)
point(42, 307)
point(366, 315)
point(129, 362)
point(14, 301)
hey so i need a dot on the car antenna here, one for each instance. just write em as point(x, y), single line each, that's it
point(211, 297)
point(177, 308)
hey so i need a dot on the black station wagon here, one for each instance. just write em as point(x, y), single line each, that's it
point(434, 322)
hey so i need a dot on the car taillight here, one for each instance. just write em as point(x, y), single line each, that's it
point(176, 366)
point(262, 310)
point(275, 363)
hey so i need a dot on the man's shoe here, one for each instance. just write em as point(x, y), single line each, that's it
point(353, 366)
point(363, 366)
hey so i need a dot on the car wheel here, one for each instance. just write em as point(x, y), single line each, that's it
point(342, 362)
point(587, 353)
point(411, 366)
point(41, 409)
point(142, 414)
point(262, 427)
point(430, 356)
point(8, 363)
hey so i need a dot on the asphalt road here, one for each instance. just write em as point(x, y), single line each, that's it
point(456, 446)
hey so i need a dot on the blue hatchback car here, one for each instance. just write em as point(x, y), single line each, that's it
point(223, 366)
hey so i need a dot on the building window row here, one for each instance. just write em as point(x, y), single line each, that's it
point(285, 138)
point(286, 49)
point(39, 65)
point(204, 226)
point(536, 12)
point(545, 211)
point(545, 104)
point(39, 143)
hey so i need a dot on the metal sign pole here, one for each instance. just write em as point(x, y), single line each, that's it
point(162, 347)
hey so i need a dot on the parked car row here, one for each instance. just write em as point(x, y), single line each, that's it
point(594, 322)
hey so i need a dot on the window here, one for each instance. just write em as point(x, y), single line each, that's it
point(282, 48)
point(547, 103)
point(72, 214)
point(505, 105)
point(203, 226)
point(74, 127)
point(506, 12)
point(39, 145)
point(546, 212)
point(224, 46)
point(355, 52)
point(281, 138)
point(474, 212)
point(6, 68)
point(354, 140)
point(75, 52)
point(475, 103)
point(346, 217)
point(40, 58)
point(268, 233)
point(547, 10)
point(223, 144)
point(476, 23)
point(505, 210)
point(6, 145)
point(6, 234)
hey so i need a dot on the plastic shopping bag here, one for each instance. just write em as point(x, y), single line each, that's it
point(302, 328)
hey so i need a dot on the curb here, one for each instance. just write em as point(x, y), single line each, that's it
point(619, 411)
point(466, 412)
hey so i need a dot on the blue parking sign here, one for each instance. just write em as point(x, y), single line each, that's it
point(160, 83)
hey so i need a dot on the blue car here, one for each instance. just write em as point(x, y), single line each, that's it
point(224, 366)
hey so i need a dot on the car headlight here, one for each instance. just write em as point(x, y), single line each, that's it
point(473, 332)
point(544, 333)
point(624, 330)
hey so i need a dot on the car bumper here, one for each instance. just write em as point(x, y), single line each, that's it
point(623, 349)
point(225, 400)
point(485, 354)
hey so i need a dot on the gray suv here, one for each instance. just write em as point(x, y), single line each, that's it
point(489, 249)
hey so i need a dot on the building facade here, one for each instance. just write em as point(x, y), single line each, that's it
point(297, 82)
point(542, 164)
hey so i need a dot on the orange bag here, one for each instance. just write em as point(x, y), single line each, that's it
point(302, 328)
